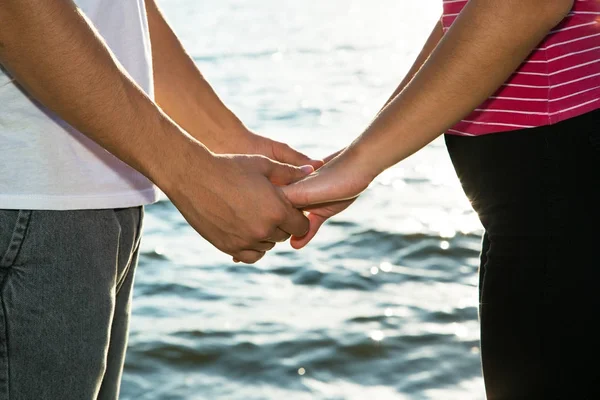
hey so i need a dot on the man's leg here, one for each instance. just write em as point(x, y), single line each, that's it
point(59, 272)
point(130, 218)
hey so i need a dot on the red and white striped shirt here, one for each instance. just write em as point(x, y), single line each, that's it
point(559, 80)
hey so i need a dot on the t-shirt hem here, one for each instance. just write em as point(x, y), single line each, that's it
point(464, 128)
point(88, 202)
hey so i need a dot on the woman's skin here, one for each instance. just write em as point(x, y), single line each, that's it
point(317, 219)
point(484, 46)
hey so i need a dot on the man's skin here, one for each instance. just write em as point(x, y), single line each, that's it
point(183, 93)
point(484, 46)
point(181, 144)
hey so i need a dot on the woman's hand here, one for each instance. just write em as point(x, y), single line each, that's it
point(317, 215)
point(328, 191)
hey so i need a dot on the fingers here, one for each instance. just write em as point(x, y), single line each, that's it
point(332, 156)
point(258, 252)
point(316, 222)
point(264, 246)
point(296, 223)
point(287, 155)
point(261, 248)
point(279, 236)
point(283, 174)
point(248, 256)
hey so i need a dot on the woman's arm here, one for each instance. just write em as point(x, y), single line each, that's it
point(485, 45)
point(432, 41)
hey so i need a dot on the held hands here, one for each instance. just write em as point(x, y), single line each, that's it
point(328, 191)
point(240, 202)
point(232, 200)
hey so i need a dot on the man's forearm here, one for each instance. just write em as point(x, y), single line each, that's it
point(485, 45)
point(56, 55)
point(183, 93)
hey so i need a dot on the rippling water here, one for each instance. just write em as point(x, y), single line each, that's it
point(383, 304)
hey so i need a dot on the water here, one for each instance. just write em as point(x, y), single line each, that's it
point(383, 303)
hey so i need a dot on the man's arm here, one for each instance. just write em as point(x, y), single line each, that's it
point(57, 56)
point(182, 92)
point(187, 97)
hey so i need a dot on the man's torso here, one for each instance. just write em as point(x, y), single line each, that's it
point(47, 164)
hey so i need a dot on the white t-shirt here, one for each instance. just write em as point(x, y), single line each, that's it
point(45, 164)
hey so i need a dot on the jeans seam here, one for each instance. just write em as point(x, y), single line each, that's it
point(5, 335)
point(17, 239)
point(124, 277)
point(135, 248)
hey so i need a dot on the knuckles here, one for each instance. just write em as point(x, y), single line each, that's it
point(262, 232)
point(278, 215)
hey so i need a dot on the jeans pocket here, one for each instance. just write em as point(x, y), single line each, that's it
point(13, 228)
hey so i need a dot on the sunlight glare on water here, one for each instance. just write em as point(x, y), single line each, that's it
point(383, 303)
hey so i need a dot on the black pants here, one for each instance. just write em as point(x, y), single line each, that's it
point(537, 194)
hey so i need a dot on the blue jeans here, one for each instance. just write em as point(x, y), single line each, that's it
point(66, 281)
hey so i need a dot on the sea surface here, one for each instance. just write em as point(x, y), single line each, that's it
point(382, 305)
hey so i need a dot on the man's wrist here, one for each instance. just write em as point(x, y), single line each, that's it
point(231, 138)
point(169, 166)
point(236, 140)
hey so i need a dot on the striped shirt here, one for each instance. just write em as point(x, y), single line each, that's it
point(559, 80)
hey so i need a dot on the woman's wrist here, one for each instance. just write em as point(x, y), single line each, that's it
point(362, 161)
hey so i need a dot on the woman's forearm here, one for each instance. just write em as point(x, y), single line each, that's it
point(485, 45)
point(432, 41)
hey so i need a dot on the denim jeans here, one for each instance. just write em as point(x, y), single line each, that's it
point(66, 281)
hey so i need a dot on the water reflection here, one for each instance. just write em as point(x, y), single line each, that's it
point(383, 303)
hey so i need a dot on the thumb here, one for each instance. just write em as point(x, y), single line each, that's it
point(284, 174)
point(286, 154)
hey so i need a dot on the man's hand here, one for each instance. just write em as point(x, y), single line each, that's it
point(252, 143)
point(229, 200)
point(233, 203)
